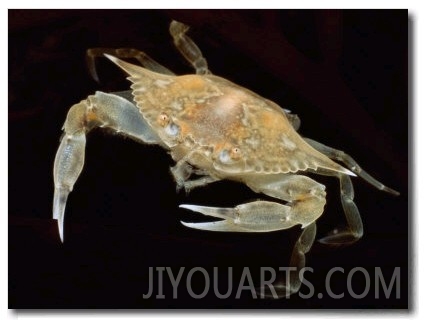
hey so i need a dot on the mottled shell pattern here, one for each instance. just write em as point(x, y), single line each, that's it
point(239, 131)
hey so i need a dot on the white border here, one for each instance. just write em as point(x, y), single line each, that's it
point(419, 212)
point(412, 5)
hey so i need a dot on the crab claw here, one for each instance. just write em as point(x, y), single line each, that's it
point(223, 213)
point(223, 226)
point(69, 162)
point(257, 216)
point(226, 225)
point(59, 203)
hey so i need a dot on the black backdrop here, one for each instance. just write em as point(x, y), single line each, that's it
point(344, 72)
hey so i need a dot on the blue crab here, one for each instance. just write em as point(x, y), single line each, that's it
point(214, 130)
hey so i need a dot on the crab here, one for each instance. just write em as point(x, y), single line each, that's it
point(215, 130)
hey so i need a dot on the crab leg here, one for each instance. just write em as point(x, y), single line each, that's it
point(182, 171)
point(305, 197)
point(112, 111)
point(286, 286)
point(257, 216)
point(306, 200)
point(187, 47)
point(350, 163)
point(262, 216)
point(354, 231)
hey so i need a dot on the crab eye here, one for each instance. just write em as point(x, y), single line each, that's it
point(163, 119)
point(226, 156)
point(235, 153)
point(172, 129)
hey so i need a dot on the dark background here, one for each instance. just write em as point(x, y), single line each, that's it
point(343, 72)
